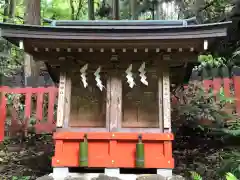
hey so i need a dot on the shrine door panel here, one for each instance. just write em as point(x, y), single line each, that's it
point(88, 105)
point(140, 105)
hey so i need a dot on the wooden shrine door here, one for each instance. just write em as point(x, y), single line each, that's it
point(137, 109)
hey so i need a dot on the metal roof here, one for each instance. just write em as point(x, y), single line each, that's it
point(148, 23)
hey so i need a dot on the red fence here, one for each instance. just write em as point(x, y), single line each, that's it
point(29, 95)
point(231, 87)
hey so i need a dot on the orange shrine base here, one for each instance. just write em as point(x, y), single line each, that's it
point(113, 150)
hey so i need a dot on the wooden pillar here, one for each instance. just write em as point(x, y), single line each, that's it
point(115, 103)
point(64, 98)
point(160, 100)
point(166, 99)
point(67, 106)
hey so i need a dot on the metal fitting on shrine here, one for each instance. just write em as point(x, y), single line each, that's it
point(83, 152)
point(140, 153)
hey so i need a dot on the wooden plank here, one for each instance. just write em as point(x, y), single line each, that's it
point(140, 104)
point(115, 103)
point(226, 86)
point(67, 107)
point(82, 129)
point(166, 99)
point(160, 100)
point(108, 103)
point(51, 102)
point(217, 84)
point(53, 55)
point(88, 107)
point(25, 90)
point(61, 100)
point(2, 115)
point(146, 130)
point(236, 80)
point(28, 105)
point(39, 111)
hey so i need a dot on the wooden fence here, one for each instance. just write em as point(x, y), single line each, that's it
point(34, 107)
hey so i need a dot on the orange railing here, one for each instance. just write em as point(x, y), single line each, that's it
point(44, 123)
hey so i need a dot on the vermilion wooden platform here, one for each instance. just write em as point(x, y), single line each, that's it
point(113, 150)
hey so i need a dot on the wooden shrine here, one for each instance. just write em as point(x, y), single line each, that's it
point(114, 88)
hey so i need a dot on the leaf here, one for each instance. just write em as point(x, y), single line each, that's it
point(230, 176)
point(195, 176)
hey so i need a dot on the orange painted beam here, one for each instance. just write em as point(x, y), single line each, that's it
point(113, 135)
point(109, 150)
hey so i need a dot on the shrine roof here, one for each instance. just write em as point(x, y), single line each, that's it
point(53, 43)
point(114, 30)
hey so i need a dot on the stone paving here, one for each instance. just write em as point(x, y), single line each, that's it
point(104, 177)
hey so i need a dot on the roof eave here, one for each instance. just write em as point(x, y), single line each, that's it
point(15, 33)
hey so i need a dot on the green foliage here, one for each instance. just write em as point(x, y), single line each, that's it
point(11, 59)
point(230, 176)
point(19, 12)
point(65, 10)
point(230, 163)
point(199, 104)
point(21, 178)
point(232, 127)
point(195, 176)
point(209, 61)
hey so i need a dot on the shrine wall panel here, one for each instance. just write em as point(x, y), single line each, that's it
point(140, 103)
point(88, 105)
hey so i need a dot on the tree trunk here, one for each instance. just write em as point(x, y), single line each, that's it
point(91, 15)
point(199, 4)
point(115, 9)
point(72, 10)
point(6, 11)
point(33, 17)
point(133, 9)
point(12, 8)
point(33, 12)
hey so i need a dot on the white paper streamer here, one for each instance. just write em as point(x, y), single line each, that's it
point(97, 78)
point(129, 76)
point(142, 74)
point(83, 75)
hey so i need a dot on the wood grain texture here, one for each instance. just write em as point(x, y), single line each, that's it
point(166, 99)
point(115, 103)
point(140, 104)
point(61, 100)
point(88, 105)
